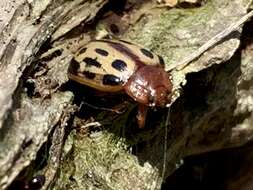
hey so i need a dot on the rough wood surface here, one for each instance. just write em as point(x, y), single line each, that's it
point(213, 112)
point(27, 122)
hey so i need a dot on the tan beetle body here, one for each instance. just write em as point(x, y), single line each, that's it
point(115, 65)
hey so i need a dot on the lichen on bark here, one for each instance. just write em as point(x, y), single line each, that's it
point(105, 150)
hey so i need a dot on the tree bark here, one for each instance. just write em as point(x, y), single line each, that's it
point(212, 113)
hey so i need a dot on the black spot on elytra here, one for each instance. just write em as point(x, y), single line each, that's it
point(91, 62)
point(101, 52)
point(119, 65)
point(89, 75)
point(73, 67)
point(123, 49)
point(111, 80)
point(161, 61)
point(83, 50)
point(147, 53)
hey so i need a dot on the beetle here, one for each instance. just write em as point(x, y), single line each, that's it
point(117, 65)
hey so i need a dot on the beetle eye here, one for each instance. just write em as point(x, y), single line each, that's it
point(152, 104)
point(151, 100)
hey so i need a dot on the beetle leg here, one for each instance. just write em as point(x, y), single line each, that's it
point(141, 115)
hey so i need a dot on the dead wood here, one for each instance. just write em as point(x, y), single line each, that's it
point(212, 113)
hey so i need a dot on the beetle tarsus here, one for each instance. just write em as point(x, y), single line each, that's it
point(141, 115)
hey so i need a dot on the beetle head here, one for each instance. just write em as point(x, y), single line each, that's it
point(150, 85)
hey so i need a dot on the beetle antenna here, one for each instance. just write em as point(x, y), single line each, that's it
point(101, 108)
point(167, 124)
